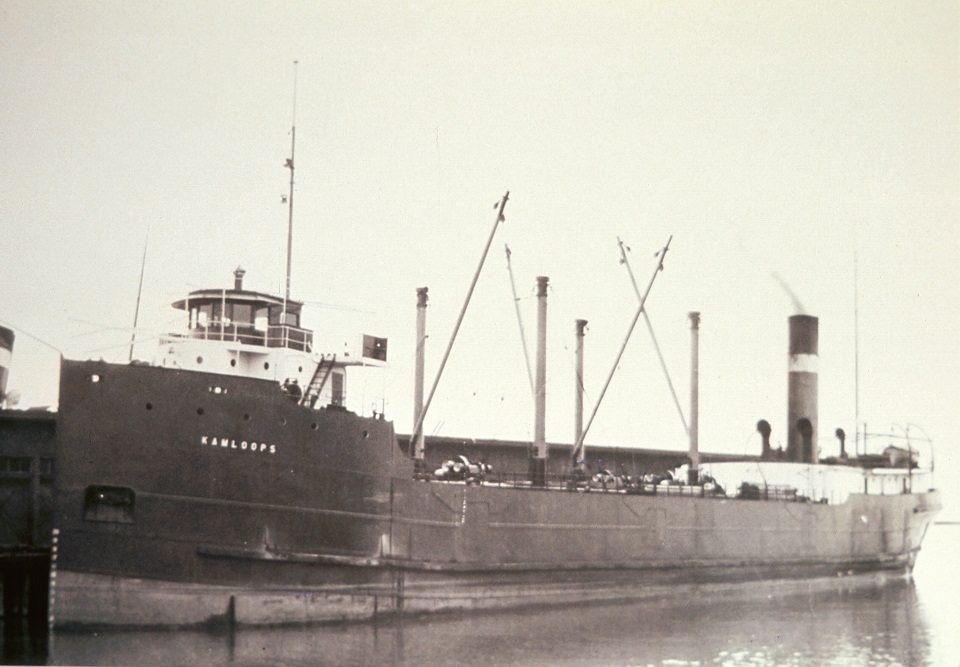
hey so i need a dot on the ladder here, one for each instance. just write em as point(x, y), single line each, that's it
point(320, 375)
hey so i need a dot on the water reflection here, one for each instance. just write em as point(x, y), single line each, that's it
point(851, 621)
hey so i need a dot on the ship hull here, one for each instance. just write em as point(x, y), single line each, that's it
point(86, 601)
point(188, 499)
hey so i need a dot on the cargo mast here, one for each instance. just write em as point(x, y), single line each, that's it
point(693, 475)
point(538, 471)
point(579, 329)
point(417, 437)
point(289, 165)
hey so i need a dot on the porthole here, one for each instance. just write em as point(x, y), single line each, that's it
point(200, 411)
point(314, 426)
point(266, 365)
point(300, 369)
point(149, 406)
point(366, 434)
point(283, 421)
point(233, 362)
point(199, 360)
point(246, 417)
point(95, 378)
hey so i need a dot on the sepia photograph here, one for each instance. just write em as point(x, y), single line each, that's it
point(616, 334)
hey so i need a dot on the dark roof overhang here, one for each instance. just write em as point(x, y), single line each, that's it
point(235, 296)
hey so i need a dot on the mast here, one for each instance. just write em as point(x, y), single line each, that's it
point(539, 471)
point(417, 438)
point(693, 475)
point(579, 328)
point(289, 165)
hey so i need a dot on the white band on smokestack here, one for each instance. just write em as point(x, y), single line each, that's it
point(804, 363)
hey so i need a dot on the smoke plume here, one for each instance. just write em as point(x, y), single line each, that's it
point(793, 297)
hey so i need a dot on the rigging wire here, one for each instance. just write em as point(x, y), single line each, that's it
point(26, 333)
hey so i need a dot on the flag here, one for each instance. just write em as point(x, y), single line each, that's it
point(375, 348)
point(6, 339)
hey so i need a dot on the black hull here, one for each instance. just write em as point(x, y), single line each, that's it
point(322, 519)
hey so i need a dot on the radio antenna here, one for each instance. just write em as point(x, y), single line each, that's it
point(856, 357)
point(136, 312)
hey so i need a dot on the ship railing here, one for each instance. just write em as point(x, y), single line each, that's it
point(780, 492)
point(289, 336)
point(621, 484)
point(230, 332)
point(276, 335)
point(636, 485)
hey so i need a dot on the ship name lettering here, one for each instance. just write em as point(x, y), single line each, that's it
point(231, 443)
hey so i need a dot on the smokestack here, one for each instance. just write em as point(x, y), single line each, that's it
point(6, 356)
point(579, 327)
point(802, 390)
point(238, 278)
point(763, 428)
point(693, 476)
point(418, 447)
point(538, 472)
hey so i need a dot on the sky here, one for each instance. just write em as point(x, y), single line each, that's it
point(802, 156)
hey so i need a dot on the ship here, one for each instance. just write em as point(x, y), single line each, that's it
point(226, 482)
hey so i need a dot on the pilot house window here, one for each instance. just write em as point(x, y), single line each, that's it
point(205, 314)
point(243, 313)
point(290, 317)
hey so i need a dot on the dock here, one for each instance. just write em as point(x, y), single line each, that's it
point(27, 466)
